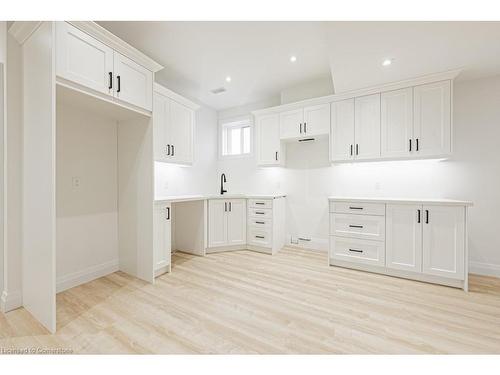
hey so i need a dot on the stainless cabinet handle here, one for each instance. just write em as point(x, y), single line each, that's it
point(355, 226)
point(426, 216)
point(259, 213)
point(259, 222)
point(355, 208)
point(261, 203)
point(168, 150)
point(168, 213)
point(230, 207)
point(417, 143)
point(225, 206)
point(410, 144)
point(418, 217)
point(260, 237)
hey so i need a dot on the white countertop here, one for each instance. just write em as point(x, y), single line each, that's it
point(186, 198)
point(443, 201)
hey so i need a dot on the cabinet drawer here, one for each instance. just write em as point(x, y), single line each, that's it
point(260, 222)
point(260, 212)
point(358, 251)
point(360, 208)
point(369, 227)
point(260, 237)
point(260, 203)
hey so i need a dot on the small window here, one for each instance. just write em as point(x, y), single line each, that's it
point(236, 138)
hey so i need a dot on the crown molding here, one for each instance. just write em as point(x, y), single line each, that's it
point(111, 40)
point(422, 80)
point(162, 90)
point(22, 30)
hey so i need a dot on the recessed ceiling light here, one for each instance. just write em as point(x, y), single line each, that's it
point(293, 58)
point(387, 62)
point(228, 79)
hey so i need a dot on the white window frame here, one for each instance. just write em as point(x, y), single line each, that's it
point(241, 122)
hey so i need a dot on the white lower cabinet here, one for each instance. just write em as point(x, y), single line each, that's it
point(422, 241)
point(404, 237)
point(162, 237)
point(444, 241)
point(226, 222)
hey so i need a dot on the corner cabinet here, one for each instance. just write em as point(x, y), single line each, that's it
point(173, 125)
point(424, 240)
point(89, 63)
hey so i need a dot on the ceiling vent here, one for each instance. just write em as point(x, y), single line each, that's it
point(218, 90)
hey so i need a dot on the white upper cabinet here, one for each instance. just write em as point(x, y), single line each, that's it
point(316, 120)
point(180, 133)
point(305, 122)
point(173, 127)
point(86, 61)
point(432, 118)
point(444, 241)
point(291, 124)
point(268, 139)
point(404, 237)
point(397, 123)
point(83, 59)
point(367, 127)
point(342, 130)
point(134, 83)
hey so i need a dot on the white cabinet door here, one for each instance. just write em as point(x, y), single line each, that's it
point(217, 223)
point(404, 237)
point(397, 123)
point(268, 140)
point(237, 222)
point(162, 240)
point(432, 118)
point(342, 130)
point(292, 124)
point(317, 120)
point(367, 127)
point(444, 241)
point(134, 83)
point(160, 126)
point(180, 133)
point(83, 59)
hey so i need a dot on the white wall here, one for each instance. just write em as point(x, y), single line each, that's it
point(3, 79)
point(473, 173)
point(200, 178)
point(87, 215)
point(12, 296)
point(314, 88)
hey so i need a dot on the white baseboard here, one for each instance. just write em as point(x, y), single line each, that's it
point(86, 275)
point(485, 269)
point(11, 300)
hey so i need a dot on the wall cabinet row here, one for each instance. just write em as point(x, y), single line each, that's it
point(410, 122)
point(173, 124)
point(88, 62)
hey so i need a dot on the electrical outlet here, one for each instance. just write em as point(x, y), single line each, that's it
point(75, 182)
point(377, 186)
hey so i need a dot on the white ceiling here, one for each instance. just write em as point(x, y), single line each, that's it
point(199, 55)
point(357, 49)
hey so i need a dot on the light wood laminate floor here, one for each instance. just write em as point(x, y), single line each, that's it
point(246, 302)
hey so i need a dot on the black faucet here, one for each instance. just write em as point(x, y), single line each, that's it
point(222, 180)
